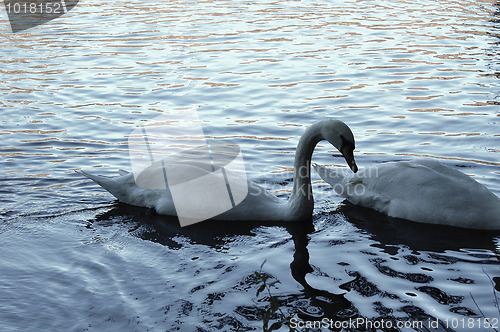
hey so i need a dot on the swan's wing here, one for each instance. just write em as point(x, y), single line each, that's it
point(425, 190)
point(160, 186)
point(383, 187)
point(422, 190)
point(440, 180)
point(259, 204)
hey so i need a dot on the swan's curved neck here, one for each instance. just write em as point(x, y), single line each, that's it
point(302, 197)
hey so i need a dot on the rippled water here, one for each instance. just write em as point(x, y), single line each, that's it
point(409, 78)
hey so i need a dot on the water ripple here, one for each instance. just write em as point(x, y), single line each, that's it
point(412, 79)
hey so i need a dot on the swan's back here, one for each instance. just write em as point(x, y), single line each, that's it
point(420, 190)
point(258, 204)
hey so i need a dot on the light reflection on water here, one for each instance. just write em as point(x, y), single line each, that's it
point(410, 79)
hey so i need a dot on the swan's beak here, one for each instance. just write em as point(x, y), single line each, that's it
point(348, 154)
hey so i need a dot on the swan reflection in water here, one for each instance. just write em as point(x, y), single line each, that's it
point(312, 303)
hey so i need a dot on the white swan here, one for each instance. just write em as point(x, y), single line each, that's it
point(259, 204)
point(421, 190)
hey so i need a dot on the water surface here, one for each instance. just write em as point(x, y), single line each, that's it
point(410, 79)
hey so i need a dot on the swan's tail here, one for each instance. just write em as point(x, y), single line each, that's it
point(112, 185)
point(124, 188)
point(333, 176)
point(336, 177)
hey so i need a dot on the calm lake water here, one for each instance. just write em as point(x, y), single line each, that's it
point(410, 79)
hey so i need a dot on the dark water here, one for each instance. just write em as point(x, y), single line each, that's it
point(410, 79)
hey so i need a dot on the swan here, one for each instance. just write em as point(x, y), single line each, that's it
point(259, 204)
point(420, 190)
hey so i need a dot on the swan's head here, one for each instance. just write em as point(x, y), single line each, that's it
point(340, 135)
